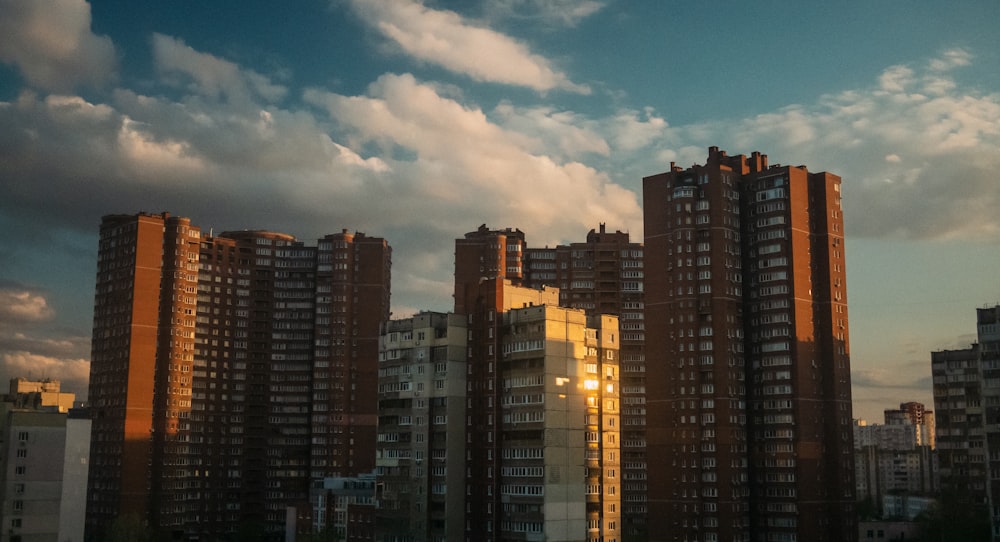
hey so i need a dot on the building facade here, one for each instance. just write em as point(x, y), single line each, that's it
point(227, 371)
point(601, 275)
point(542, 424)
point(917, 415)
point(335, 498)
point(896, 459)
point(43, 459)
point(961, 442)
point(421, 454)
point(988, 330)
point(748, 377)
point(605, 275)
point(967, 406)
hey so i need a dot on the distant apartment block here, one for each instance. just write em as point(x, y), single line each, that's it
point(967, 404)
point(961, 440)
point(748, 388)
point(896, 461)
point(343, 507)
point(44, 450)
point(915, 414)
point(228, 371)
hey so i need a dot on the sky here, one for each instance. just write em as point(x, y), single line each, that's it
point(419, 121)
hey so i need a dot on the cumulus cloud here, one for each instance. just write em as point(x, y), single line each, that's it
point(922, 150)
point(951, 58)
point(19, 305)
point(576, 135)
point(632, 130)
point(390, 162)
point(51, 43)
point(212, 76)
point(463, 157)
point(570, 133)
point(445, 39)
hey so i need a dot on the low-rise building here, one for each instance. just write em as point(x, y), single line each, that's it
point(44, 451)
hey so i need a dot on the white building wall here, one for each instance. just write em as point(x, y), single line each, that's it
point(33, 478)
point(73, 502)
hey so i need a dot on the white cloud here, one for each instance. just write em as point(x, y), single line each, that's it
point(144, 154)
point(462, 157)
point(562, 12)
point(53, 46)
point(895, 78)
point(572, 134)
point(917, 152)
point(444, 38)
point(19, 306)
point(632, 130)
point(212, 76)
point(406, 161)
point(950, 59)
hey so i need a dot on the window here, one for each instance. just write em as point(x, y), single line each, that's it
point(20, 470)
point(22, 436)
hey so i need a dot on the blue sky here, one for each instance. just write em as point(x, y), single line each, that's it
point(419, 121)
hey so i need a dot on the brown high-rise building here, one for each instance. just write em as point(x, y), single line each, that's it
point(486, 253)
point(229, 370)
point(748, 372)
point(143, 338)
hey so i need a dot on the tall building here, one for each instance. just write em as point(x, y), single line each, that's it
point(420, 461)
point(747, 365)
point(44, 449)
point(988, 330)
point(142, 260)
point(227, 371)
point(542, 413)
point(602, 275)
point(967, 405)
